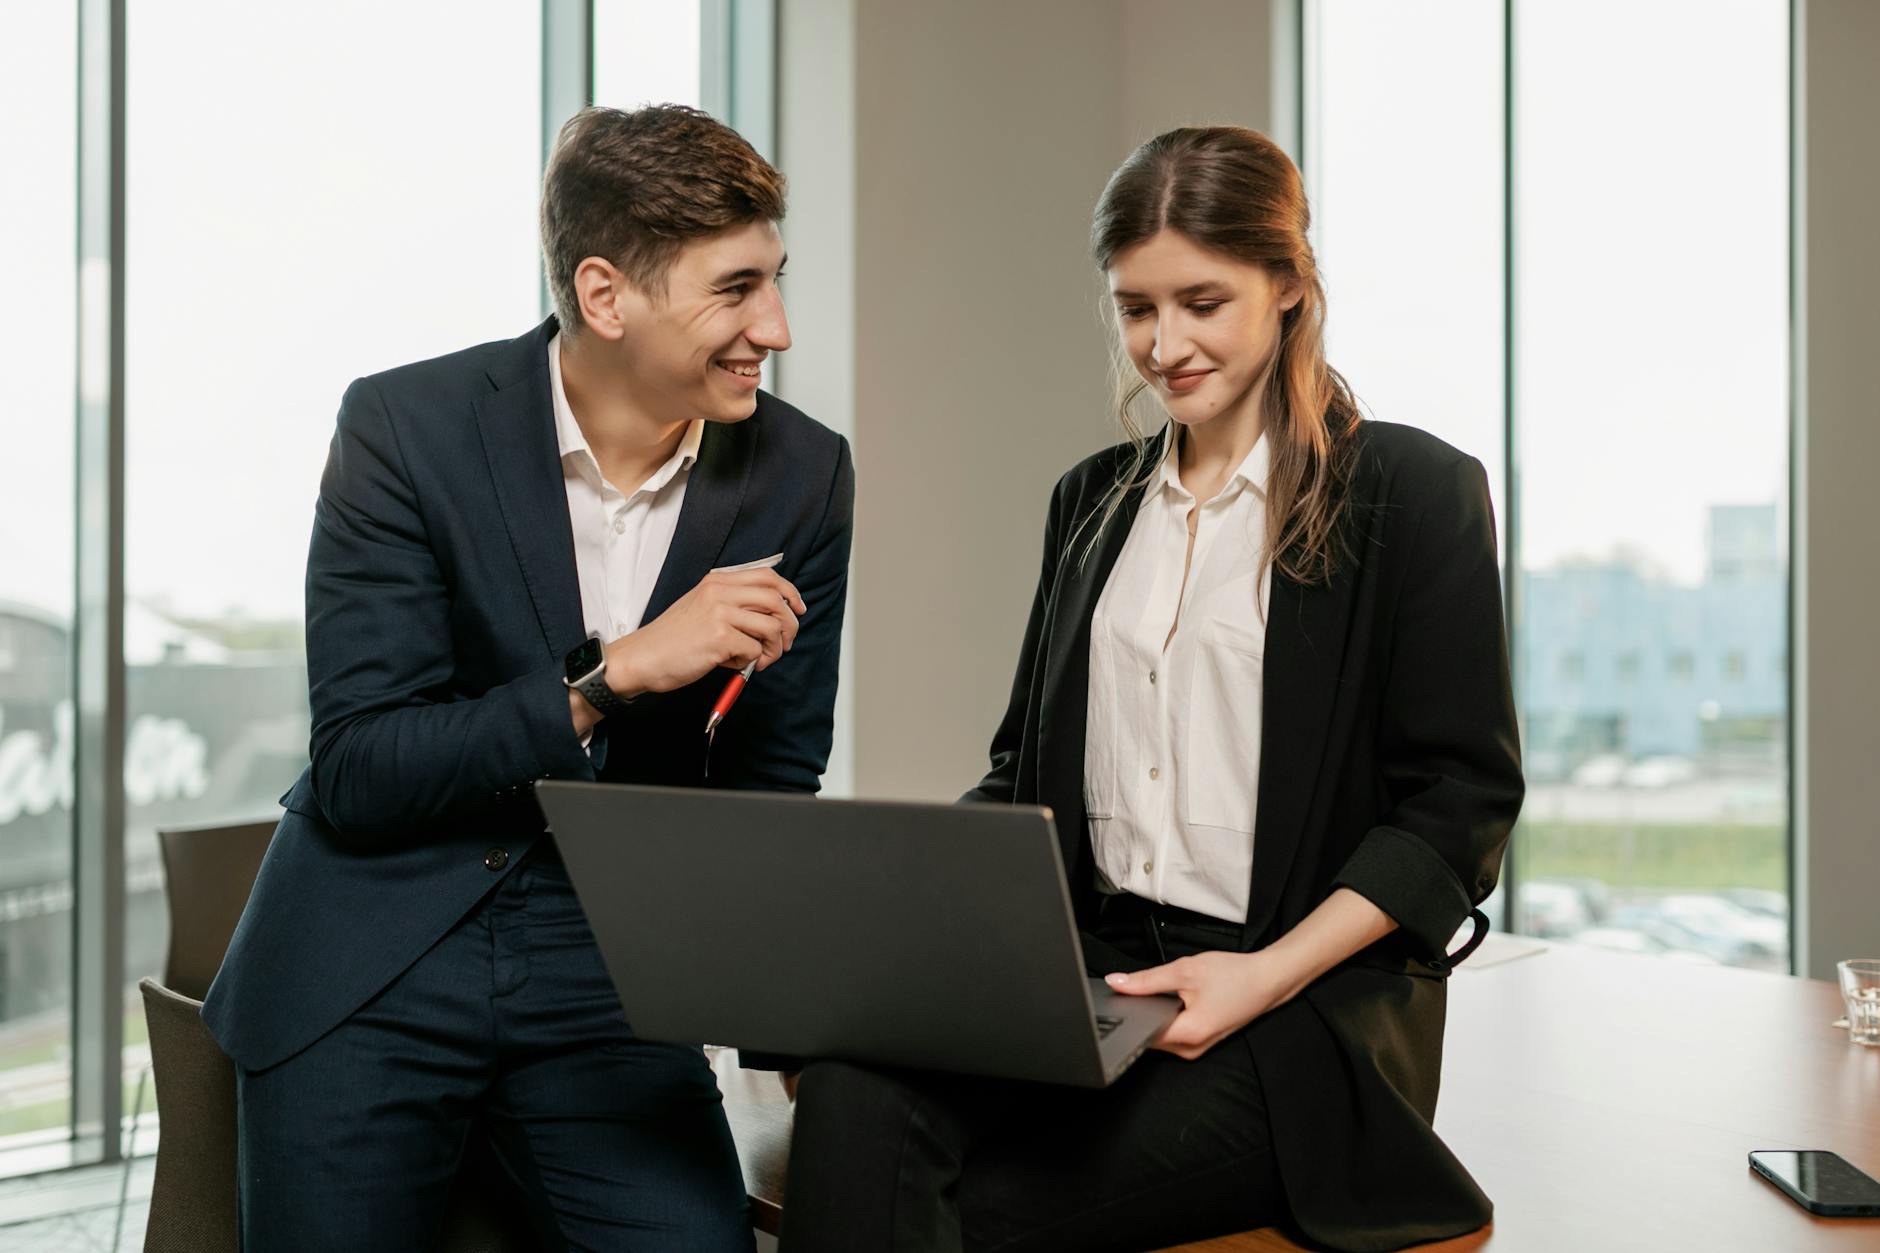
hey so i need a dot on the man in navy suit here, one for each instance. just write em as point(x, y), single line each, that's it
point(519, 570)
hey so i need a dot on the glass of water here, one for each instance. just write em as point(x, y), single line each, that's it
point(1860, 987)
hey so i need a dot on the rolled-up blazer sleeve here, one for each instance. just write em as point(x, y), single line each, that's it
point(1448, 748)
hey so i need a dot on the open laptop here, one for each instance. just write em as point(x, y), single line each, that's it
point(930, 936)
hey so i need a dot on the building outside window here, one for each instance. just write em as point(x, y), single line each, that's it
point(1639, 316)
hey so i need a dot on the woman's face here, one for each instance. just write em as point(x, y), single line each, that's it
point(1199, 326)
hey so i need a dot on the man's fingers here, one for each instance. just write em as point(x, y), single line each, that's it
point(764, 601)
point(760, 599)
point(787, 618)
point(773, 583)
point(763, 630)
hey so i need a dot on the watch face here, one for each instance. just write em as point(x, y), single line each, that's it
point(585, 660)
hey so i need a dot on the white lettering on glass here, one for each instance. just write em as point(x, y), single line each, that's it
point(163, 760)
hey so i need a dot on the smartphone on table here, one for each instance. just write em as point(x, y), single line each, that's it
point(1820, 1182)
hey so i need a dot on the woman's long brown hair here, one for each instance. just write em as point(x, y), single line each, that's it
point(1233, 191)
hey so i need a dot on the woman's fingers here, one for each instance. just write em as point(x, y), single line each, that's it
point(1188, 1035)
point(1154, 981)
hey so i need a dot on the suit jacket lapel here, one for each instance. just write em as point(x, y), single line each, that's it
point(517, 423)
point(1305, 647)
point(714, 492)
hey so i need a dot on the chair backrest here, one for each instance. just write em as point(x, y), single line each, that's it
point(207, 875)
point(193, 1197)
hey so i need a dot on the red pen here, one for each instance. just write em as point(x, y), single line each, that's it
point(729, 697)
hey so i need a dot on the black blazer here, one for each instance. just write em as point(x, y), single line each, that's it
point(442, 598)
point(1389, 764)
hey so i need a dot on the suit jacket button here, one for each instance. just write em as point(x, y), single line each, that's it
point(496, 858)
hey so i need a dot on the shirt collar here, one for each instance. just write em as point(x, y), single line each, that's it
point(569, 439)
point(1251, 472)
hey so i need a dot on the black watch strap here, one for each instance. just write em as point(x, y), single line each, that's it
point(586, 672)
point(594, 691)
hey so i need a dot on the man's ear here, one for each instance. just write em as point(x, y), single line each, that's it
point(601, 292)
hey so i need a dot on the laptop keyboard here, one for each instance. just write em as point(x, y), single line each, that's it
point(1106, 1024)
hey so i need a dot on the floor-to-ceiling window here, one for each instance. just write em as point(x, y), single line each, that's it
point(274, 252)
point(1640, 185)
point(308, 194)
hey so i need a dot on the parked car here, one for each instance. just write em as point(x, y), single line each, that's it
point(1758, 901)
point(1625, 940)
point(1711, 926)
point(1550, 910)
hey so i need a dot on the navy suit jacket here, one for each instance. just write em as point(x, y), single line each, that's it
point(442, 598)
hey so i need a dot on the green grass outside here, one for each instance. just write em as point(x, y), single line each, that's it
point(1639, 855)
point(32, 1117)
point(49, 1049)
point(52, 1047)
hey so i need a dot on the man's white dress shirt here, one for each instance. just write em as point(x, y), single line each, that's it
point(620, 539)
point(1172, 745)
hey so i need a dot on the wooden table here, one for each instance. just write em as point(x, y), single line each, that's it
point(1605, 1101)
point(1609, 1101)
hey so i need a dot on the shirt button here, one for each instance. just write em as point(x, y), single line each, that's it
point(1151, 678)
point(496, 858)
point(1148, 867)
point(620, 526)
point(1154, 773)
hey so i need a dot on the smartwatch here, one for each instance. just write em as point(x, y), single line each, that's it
point(585, 670)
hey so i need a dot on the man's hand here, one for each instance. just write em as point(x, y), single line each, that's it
point(729, 620)
point(1221, 993)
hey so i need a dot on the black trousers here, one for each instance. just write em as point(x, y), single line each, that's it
point(1173, 1151)
point(510, 1022)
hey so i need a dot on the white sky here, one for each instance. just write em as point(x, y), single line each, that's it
point(646, 52)
point(318, 192)
point(37, 304)
point(1651, 163)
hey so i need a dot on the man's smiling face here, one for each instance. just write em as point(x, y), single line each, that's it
point(695, 349)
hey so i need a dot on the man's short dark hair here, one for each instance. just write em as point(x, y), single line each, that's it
point(633, 187)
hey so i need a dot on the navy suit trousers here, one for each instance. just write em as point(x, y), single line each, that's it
point(509, 1023)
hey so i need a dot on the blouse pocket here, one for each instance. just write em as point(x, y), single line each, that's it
point(1226, 689)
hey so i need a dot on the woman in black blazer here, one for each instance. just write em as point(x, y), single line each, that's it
point(1360, 825)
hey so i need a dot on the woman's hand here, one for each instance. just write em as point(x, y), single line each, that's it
point(1221, 993)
